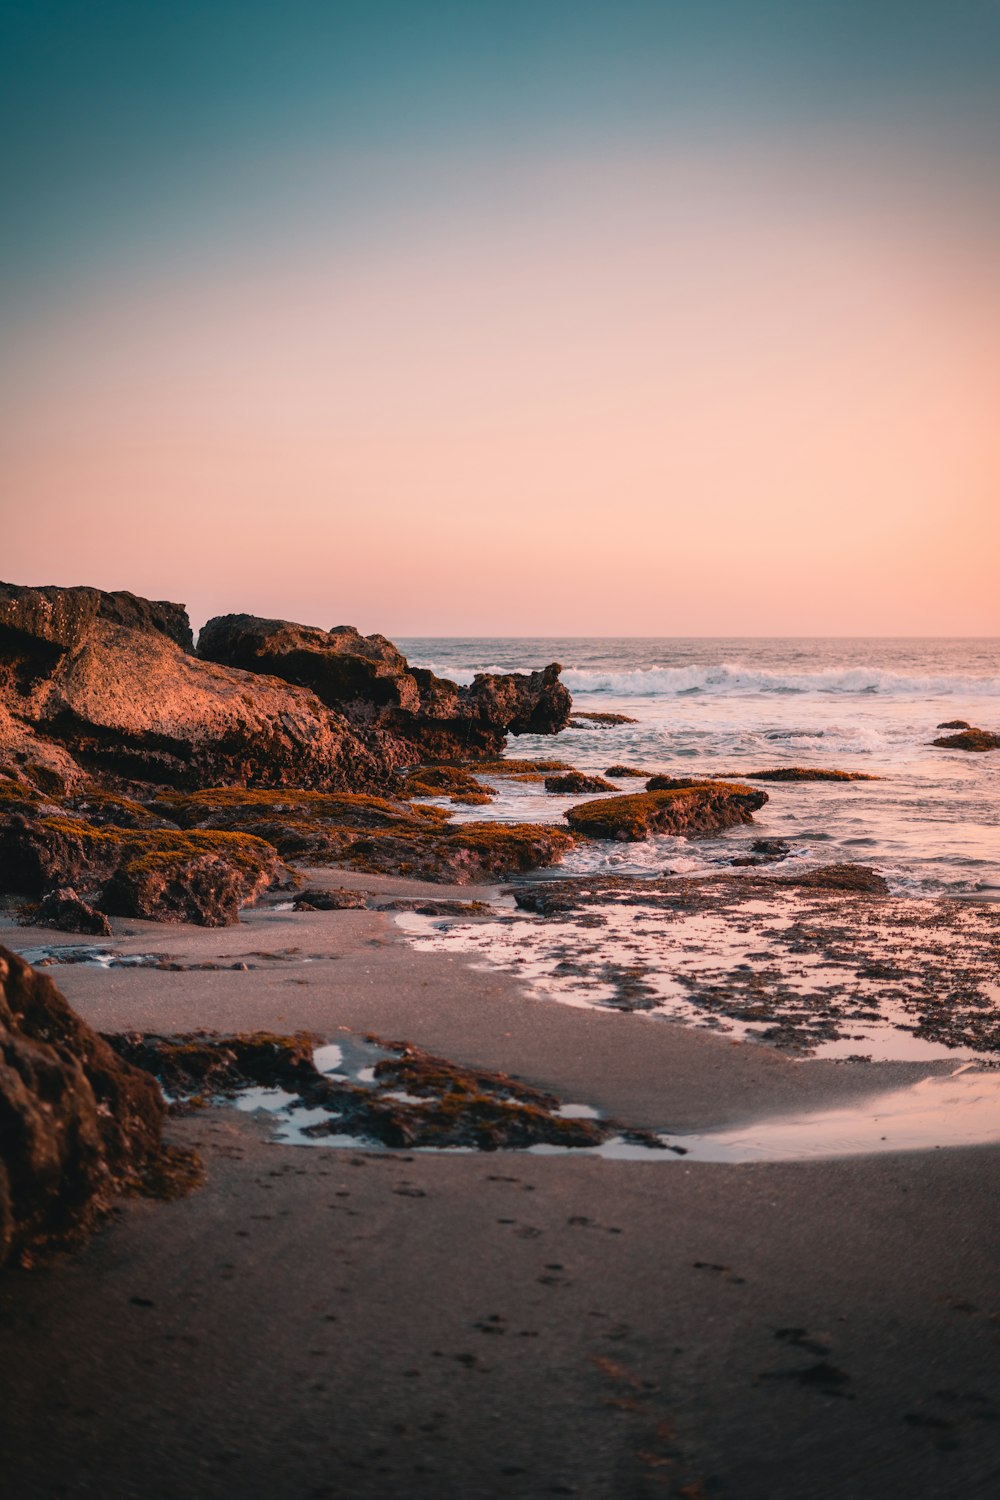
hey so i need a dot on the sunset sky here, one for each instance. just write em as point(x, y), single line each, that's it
point(507, 318)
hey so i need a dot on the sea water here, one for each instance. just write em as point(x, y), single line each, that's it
point(931, 825)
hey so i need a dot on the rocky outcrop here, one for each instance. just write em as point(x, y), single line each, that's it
point(706, 807)
point(969, 739)
point(371, 683)
point(77, 1124)
point(108, 683)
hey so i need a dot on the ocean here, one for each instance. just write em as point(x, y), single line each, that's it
point(931, 825)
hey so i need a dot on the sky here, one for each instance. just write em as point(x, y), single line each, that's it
point(511, 318)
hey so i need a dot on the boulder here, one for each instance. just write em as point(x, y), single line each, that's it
point(63, 910)
point(955, 724)
point(371, 683)
point(706, 807)
point(576, 781)
point(77, 1124)
point(969, 739)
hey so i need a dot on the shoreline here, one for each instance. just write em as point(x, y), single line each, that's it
point(355, 1323)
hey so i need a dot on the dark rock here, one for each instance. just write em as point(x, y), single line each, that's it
point(576, 781)
point(763, 852)
point(807, 773)
point(624, 771)
point(955, 724)
point(378, 835)
point(859, 878)
point(582, 720)
point(64, 910)
point(771, 848)
point(673, 783)
point(367, 679)
point(77, 1124)
point(708, 807)
point(969, 739)
point(457, 1105)
point(337, 900)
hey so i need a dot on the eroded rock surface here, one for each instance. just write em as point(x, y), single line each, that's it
point(368, 680)
point(77, 1123)
point(109, 681)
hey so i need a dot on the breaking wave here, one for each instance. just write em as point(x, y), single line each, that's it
point(733, 678)
point(664, 682)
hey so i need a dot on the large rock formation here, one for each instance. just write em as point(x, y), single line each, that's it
point(106, 684)
point(369, 681)
point(110, 682)
point(77, 1123)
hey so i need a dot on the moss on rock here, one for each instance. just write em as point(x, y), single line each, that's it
point(706, 807)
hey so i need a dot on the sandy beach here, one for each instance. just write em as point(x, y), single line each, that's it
point(355, 1323)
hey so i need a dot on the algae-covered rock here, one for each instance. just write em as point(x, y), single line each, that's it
point(453, 782)
point(379, 835)
point(578, 781)
point(77, 1124)
point(167, 875)
point(708, 807)
point(807, 773)
point(63, 910)
point(969, 739)
point(368, 680)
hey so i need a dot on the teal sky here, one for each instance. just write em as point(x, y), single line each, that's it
point(475, 318)
point(126, 122)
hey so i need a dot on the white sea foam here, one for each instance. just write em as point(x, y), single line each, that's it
point(735, 677)
point(732, 677)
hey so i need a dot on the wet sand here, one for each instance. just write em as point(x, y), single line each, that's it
point(320, 1323)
